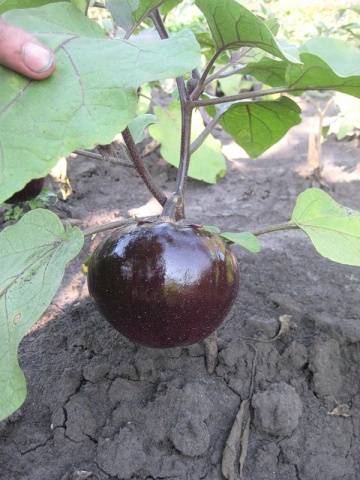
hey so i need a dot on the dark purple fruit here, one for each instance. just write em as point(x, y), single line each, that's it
point(164, 284)
point(30, 191)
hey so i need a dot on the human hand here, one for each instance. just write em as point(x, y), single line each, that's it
point(22, 53)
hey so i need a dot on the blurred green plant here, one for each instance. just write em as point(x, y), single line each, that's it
point(347, 122)
point(46, 199)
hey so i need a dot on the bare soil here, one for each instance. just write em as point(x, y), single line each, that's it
point(100, 407)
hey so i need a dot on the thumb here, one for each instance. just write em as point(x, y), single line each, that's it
point(22, 53)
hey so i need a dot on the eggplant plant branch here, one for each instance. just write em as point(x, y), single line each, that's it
point(98, 156)
point(128, 221)
point(201, 84)
point(275, 228)
point(244, 96)
point(141, 168)
point(234, 64)
point(223, 73)
point(104, 227)
point(206, 132)
point(174, 207)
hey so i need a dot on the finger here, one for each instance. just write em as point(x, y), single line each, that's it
point(22, 53)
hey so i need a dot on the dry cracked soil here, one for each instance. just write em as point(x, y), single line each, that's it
point(102, 408)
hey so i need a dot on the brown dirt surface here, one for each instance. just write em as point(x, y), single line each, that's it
point(100, 407)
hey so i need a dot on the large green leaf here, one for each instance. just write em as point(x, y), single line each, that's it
point(233, 26)
point(247, 55)
point(327, 64)
point(334, 230)
point(130, 13)
point(13, 4)
point(88, 100)
point(207, 163)
point(256, 126)
point(317, 75)
point(342, 57)
point(60, 19)
point(33, 256)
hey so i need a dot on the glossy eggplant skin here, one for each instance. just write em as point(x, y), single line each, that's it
point(30, 191)
point(164, 284)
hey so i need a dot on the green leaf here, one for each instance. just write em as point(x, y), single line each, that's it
point(355, 8)
point(6, 5)
point(269, 71)
point(207, 163)
point(139, 124)
point(169, 5)
point(59, 19)
point(256, 126)
point(211, 229)
point(206, 43)
point(234, 83)
point(13, 213)
point(327, 64)
point(250, 55)
point(89, 99)
point(122, 12)
point(342, 57)
point(82, 5)
point(233, 26)
point(33, 256)
point(245, 239)
point(334, 230)
point(128, 14)
point(273, 25)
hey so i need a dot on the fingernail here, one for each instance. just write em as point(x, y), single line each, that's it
point(36, 57)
